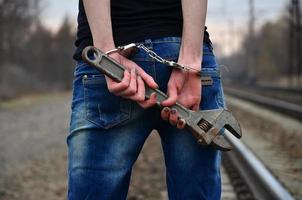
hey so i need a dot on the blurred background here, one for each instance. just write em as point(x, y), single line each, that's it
point(257, 43)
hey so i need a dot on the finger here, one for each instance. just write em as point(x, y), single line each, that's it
point(173, 118)
point(109, 80)
point(132, 88)
point(140, 95)
point(119, 87)
point(165, 113)
point(172, 97)
point(181, 124)
point(195, 107)
point(133, 82)
point(147, 78)
point(150, 102)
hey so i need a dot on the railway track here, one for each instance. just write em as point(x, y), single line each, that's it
point(44, 176)
point(249, 177)
point(273, 88)
point(282, 106)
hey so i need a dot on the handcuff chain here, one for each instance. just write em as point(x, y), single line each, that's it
point(152, 54)
point(155, 56)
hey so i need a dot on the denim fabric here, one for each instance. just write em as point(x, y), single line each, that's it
point(107, 134)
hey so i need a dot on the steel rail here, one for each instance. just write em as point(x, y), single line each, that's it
point(261, 182)
point(268, 87)
point(278, 89)
point(284, 107)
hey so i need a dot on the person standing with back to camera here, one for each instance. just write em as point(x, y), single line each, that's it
point(110, 121)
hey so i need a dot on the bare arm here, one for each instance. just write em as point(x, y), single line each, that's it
point(99, 18)
point(194, 16)
point(186, 87)
point(132, 86)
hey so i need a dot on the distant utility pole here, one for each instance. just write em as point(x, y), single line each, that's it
point(295, 44)
point(252, 17)
point(299, 42)
point(225, 36)
point(251, 45)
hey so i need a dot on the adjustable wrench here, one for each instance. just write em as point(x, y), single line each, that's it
point(206, 125)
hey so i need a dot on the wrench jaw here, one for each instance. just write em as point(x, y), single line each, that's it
point(220, 143)
point(207, 125)
point(202, 137)
point(222, 118)
point(201, 128)
point(231, 123)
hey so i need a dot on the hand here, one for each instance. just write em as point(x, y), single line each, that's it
point(132, 85)
point(185, 88)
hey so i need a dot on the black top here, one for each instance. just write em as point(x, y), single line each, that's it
point(135, 20)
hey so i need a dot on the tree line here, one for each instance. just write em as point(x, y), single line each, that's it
point(265, 57)
point(32, 57)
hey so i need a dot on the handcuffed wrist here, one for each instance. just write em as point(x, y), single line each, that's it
point(104, 46)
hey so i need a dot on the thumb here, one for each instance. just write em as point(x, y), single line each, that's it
point(172, 97)
point(195, 107)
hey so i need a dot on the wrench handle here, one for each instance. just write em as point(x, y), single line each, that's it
point(115, 70)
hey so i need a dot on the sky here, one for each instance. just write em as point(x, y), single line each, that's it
point(226, 20)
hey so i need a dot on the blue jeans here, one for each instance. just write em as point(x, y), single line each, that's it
point(107, 134)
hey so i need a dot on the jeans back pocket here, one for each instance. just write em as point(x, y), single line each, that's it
point(103, 108)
